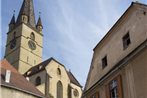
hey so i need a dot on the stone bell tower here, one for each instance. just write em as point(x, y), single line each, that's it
point(24, 39)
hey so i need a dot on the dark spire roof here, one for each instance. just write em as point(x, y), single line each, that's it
point(13, 19)
point(39, 23)
point(27, 9)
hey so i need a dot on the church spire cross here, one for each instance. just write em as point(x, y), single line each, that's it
point(27, 9)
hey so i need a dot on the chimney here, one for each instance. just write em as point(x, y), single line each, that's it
point(8, 76)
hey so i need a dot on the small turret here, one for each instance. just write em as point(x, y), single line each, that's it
point(39, 25)
point(12, 23)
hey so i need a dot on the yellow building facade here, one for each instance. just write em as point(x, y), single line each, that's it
point(53, 80)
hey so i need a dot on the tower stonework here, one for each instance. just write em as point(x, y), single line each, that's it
point(24, 39)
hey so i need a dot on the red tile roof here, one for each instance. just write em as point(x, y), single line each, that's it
point(17, 81)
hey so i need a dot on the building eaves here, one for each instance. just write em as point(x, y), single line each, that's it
point(118, 22)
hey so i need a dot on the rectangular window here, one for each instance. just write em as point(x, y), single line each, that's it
point(114, 88)
point(126, 40)
point(104, 62)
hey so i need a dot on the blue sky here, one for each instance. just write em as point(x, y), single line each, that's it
point(72, 28)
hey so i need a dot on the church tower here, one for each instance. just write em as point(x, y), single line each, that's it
point(24, 39)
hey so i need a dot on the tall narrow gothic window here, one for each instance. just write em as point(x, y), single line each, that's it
point(58, 71)
point(59, 90)
point(32, 36)
point(69, 91)
point(38, 81)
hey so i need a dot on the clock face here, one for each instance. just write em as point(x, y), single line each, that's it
point(32, 45)
point(13, 44)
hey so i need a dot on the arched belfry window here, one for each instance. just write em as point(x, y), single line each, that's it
point(59, 90)
point(38, 81)
point(58, 71)
point(32, 36)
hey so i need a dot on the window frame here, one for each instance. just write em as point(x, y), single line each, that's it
point(119, 87)
point(126, 40)
point(104, 62)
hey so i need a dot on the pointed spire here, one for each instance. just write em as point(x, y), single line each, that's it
point(13, 19)
point(27, 9)
point(12, 22)
point(39, 23)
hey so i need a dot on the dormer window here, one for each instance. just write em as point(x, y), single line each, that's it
point(24, 19)
point(40, 67)
point(126, 41)
point(28, 73)
point(104, 62)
